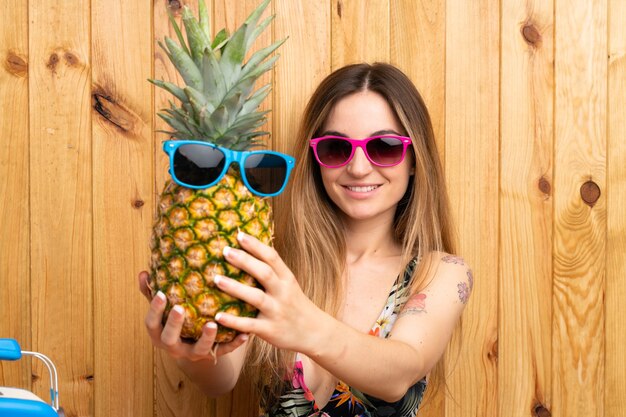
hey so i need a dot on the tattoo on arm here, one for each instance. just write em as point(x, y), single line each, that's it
point(465, 288)
point(416, 304)
point(464, 292)
point(451, 259)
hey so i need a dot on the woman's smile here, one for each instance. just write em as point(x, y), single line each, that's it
point(361, 192)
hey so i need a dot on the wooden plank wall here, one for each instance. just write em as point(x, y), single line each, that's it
point(527, 99)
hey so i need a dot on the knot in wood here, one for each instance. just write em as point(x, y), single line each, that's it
point(52, 62)
point(541, 411)
point(114, 112)
point(544, 186)
point(16, 65)
point(531, 34)
point(138, 203)
point(590, 193)
point(492, 354)
point(71, 59)
point(174, 5)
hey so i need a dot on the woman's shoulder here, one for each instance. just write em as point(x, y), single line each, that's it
point(440, 258)
point(451, 272)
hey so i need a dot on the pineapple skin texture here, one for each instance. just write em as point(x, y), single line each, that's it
point(191, 229)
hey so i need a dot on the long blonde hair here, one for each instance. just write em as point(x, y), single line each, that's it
point(311, 238)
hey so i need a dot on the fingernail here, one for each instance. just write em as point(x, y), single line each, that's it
point(211, 325)
point(160, 296)
point(179, 309)
point(218, 316)
point(226, 250)
point(217, 279)
point(241, 236)
point(244, 337)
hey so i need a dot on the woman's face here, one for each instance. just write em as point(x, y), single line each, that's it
point(361, 190)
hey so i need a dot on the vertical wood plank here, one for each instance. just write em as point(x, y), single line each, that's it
point(418, 47)
point(243, 401)
point(471, 155)
point(580, 208)
point(360, 31)
point(175, 394)
point(122, 204)
point(60, 195)
point(418, 31)
point(14, 189)
point(526, 121)
point(305, 61)
point(615, 385)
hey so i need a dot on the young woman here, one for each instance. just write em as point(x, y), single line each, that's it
point(363, 292)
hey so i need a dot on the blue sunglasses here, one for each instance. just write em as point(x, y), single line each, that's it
point(196, 164)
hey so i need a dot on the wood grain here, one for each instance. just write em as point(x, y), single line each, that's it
point(529, 118)
point(175, 394)
point(526, 161)
point(122, 211)
point(418, 47)
point(14, 190)
point(580, 221)
point(615, 310)
point(305, 61)
point(242, 401)
point(360, 31)
point(61, 198)
point(418, 38)
point(471, 165)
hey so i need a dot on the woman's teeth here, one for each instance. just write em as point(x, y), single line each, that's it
point(363, 189)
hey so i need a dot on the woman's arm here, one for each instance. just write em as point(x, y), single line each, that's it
point(214, 370)
point(417, 341)
point(290, 320)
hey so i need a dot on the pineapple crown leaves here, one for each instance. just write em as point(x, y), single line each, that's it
point(218, 103)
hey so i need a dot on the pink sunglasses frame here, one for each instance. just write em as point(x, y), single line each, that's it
point(360, 143)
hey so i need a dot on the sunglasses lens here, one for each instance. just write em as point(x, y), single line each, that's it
point(385, 151)
point(266, 173)
point(198, 165)
point(334, 152)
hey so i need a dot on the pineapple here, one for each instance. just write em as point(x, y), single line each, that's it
point(217, 105)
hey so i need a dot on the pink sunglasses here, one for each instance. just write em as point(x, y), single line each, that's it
point(382, 151)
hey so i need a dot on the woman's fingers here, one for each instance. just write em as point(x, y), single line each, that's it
point(242, 324)
point(155, 316)
point(171, 331)
point(251, 295)
point(167, 336)
point(204, 346)
point(254, 266)
point(263, 252)
point(144, 287)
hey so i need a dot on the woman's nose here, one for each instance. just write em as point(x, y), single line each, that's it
point(359, 165)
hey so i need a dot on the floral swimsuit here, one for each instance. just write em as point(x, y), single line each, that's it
point(346, 401)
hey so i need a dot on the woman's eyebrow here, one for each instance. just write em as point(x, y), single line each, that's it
point(333, 133)
point(377, 133)
point(385, 132)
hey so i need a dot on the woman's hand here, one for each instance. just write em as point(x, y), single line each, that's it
point(168, 337)
point(285, 312)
